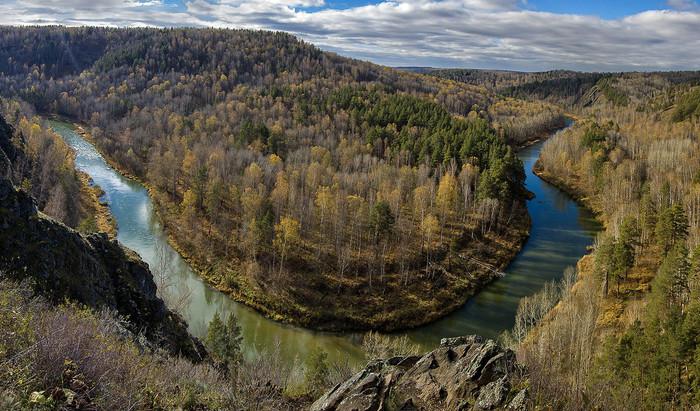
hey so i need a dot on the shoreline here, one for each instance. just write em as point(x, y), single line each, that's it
point(571, 190)
point(103, 216)
point(91, 193)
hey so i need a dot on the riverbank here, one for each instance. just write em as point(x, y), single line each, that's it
point(91, 196)
point(571, 189)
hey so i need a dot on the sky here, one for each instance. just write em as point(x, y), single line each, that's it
point(529, 35)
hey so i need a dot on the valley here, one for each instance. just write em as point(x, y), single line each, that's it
point(241, 219)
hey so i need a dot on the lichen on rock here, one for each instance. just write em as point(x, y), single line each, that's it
point(464, 373)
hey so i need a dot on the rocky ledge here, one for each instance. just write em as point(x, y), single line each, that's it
point(464, 373)
point(62, 264)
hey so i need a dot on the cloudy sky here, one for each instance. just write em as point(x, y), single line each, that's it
point(598, 35)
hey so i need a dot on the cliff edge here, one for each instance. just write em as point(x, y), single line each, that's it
point(62, 264)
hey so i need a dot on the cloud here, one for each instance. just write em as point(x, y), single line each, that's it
point(683, 4)
point(498, 34)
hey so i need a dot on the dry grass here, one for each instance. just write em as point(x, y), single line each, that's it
point(71, 357)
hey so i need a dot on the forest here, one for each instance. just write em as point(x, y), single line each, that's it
point(286, 174)
point(626, 332)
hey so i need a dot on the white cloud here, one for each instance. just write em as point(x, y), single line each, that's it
point(467, 33)
point(683, 4)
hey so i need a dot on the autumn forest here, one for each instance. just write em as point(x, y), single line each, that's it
point(349, 200)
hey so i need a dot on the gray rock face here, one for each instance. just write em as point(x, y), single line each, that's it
point(93, 270)
point(464, 373)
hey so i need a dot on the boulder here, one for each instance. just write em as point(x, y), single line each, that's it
point(463, 373)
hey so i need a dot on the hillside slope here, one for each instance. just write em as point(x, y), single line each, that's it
point(627, 335)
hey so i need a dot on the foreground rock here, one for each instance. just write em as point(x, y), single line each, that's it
point(464, 373)
point(63, 264)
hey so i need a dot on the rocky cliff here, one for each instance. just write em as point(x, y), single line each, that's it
point(464, 373)
point(62, 264)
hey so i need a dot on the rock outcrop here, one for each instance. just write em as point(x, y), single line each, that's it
point(464, 373)
point(93, 270)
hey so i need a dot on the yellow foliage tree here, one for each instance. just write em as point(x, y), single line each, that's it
point(429, 228)
point(446, 194)
point(280, 192)
point(287, 235)
point(188, 206)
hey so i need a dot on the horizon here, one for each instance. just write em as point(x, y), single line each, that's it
point(509, 35)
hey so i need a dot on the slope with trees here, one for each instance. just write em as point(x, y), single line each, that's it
point(43, 166)
point(626, 334)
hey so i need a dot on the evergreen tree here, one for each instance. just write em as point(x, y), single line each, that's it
point(604, 262)
point(381, 220)
point(317, 371)
point(216, 338)
point(671, 227)
point(623, 250)
point(223, 341)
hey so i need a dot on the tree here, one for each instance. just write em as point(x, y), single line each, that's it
point(188, 207)
point(286, 236)
point(421, 200)
point(213, 199)
point(671, 227)
point(605, 261)
point(623, 250)
point(447, 192)
point(325, 203)
point(446, 198)
point(223, 341)
point(429, 228)
point(317, 371)
point(280, 192)
point(381, 221)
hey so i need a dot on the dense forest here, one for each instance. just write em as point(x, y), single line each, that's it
point(568, 90)
point(626, 335)
point(287, 174)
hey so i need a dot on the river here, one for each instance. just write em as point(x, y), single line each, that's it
point(561, 230)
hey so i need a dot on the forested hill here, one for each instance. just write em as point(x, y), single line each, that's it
point(570, 89)
point(296, 180)
point(214, 62)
